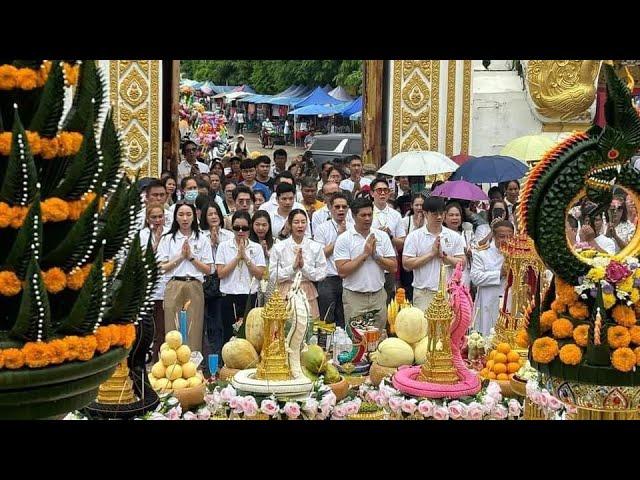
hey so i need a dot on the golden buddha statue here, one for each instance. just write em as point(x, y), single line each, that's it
point(274, 361)
point(119, 388)
point(438, 367)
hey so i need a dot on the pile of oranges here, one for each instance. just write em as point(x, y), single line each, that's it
point(502, 363)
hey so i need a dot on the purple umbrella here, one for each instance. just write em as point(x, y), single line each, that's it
point(459, 189)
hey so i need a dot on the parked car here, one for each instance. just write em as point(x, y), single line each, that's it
point(335, 147)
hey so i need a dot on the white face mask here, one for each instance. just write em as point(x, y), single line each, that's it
point(191, 195)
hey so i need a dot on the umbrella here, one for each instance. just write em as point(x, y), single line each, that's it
point(529, 148)
point(459, 189)
point(461, 158)
point(490, 168)
point(418, 162)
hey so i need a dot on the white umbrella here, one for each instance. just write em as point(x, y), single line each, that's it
point(419, 162)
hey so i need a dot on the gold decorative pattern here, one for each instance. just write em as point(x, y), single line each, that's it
point(134, 94)
point(563, 90)
point(466, 105)
point(435, 102)
point(451, 106)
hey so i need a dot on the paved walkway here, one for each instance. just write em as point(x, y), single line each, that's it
point(253, 144)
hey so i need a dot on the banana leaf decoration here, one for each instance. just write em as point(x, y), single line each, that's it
point(34, 317)
point(47, 117)
point(111, 152)
point(89, 96)
point(28, 243)
point(20, 177)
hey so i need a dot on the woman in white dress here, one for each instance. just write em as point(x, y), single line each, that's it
point(413, 220)
point(620, 229)
point(295, 254)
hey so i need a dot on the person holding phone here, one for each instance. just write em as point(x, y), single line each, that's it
point(497, 212)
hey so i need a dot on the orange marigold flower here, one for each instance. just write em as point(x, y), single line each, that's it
point(71, 73)
point(10, 284)
point(36, 354)
point(103, 339)
point(54, 279)
point(75, 209)
point(27, 79)
point(8, 77)
point(54, 210)
point(547, 319)
point(618, 336)
point(544, 349)
point(636, 351)
point(13, 358)
point(634, 332)
point(66, 143)
point(74, 344)
point(581, 335)
point(579, 311)
point(75, 139)
point(107, 268)
point(6, 214)
point(562, 328)
point(624, 316)
point(522, 338)
point(116, 336)
point(59, 351)
point(50, 147)
point(565, 292)
point(75, 279)
point(34, 142)
point(43, 73)
point(5, 143)
point(1, 359)
point(19, 214)
point(570, 354)
point(128, 334)
point(623, 359)
point(558, 306)
point(87, 349)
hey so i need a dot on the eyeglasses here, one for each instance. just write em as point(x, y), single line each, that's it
point(240, 228)
point(381, 190)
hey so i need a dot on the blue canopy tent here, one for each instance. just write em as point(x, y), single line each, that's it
point(355, 106)
point(318, 97)
point(319, 109)
point(356, 116)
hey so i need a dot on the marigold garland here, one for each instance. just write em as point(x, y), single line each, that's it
point(522, 338)
point(570, 354)
point(635, 350)
point(565, 292)
point(581, 335)
point(624, 316)
point(10, 284)
point(55, 280)
point(623, 359)
point(544, 349)
point(54, 210)
point(547, 319)
point(562, 328)
point(558, 306)
point(63, 144)
point(618, 336)
point(69, 348)
point(28, 78)
point(579, 311)
point(634, 332)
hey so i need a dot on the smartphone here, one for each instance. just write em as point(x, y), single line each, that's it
point(499, 212)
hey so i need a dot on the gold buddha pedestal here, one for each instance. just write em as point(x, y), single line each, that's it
point(438, 367)
point(274, 361)
point(119, 388)
point(524, 269)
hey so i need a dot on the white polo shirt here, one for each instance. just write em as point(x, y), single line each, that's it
point(184, 169)
point(158, 293)
point(389, 218)
point(170, 248)
point(419, 242)
point(348, 184)
point(277, 224)
point(223, 236)
point(272, 204)
point(325, 234)
point(239, 281)
point(323, 215)
point(369, 277)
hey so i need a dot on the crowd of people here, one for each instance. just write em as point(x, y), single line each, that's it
point(221, 231)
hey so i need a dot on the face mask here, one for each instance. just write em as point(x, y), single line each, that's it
point(191, 195)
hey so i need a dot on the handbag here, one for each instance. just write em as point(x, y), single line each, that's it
point(211, 286)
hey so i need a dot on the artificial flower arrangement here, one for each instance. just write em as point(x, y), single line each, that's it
point(552, 407)
point(488, 404)
point(223, 400)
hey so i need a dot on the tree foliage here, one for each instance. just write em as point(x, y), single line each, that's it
point(273, 76)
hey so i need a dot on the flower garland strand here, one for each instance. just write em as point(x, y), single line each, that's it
point(64, 144)
point(28, 78)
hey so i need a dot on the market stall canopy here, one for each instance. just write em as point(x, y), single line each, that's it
point(490, 169)
point(318, 97)
point(418, 162)
point(356, 116)
point(327, 88)
point(354, 107)
point(328, 110)
point(341, 94)
point(529, 148)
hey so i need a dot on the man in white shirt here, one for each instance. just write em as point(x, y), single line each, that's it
point(427, 248)
point(155, 192)
point(285, 194)
point(390, 222)
point(330, 289)
point(271, 204)
point(279, 162)
point(362, 254)
point(287, 132)
point(404, 187)
point(489, 274)
point(323, 214)
point(190, 166)
point(356, 181)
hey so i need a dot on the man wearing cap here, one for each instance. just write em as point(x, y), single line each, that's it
point(190, 166)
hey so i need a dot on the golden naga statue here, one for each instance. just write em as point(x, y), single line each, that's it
point(562, 90)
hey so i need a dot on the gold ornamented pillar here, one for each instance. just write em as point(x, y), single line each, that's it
point(373, 75)
point(429, 106)
point(135, 96)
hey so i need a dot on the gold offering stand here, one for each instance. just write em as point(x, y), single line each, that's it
point(274, 362)
point(119, 388)
point(524, 269)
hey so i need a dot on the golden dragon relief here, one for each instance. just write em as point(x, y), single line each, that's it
point(562, 89)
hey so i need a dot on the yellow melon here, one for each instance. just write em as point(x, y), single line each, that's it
point(168, 357)
point(195, 381)
point(174, 372)
point(188, 370)
point(254, 328)
point(173, 339)
point(183, 353)
point(158, 370)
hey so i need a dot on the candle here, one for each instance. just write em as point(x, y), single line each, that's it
point(596, 331)
point(183, 325)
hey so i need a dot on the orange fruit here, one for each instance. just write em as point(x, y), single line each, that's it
point(500, 368)
point(500, 358)
point(490, 364)
point(502, 376)
point(504, 348)
point(492, 354)
point(513, 357)
point(513, 367)
point(491, 376)
point(484, 372)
